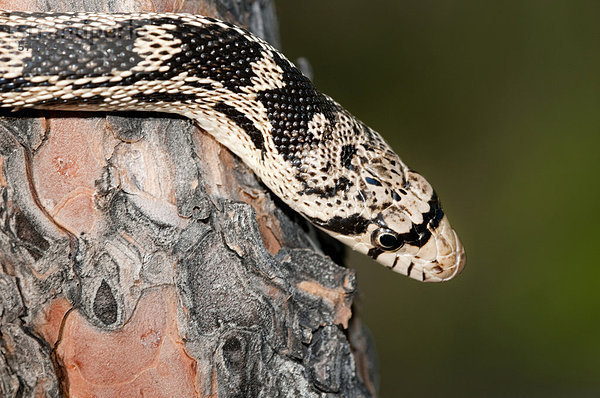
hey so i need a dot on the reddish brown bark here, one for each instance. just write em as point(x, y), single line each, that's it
point(139, 257)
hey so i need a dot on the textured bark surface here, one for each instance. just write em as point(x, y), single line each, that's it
point(139, 257)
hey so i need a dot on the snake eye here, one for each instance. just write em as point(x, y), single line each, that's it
point(386, 239)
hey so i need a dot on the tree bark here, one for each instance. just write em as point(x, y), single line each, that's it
point(140, 257)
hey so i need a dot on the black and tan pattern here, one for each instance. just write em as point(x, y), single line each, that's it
point(306, 148)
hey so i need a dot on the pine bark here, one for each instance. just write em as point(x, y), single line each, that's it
point(138, 257)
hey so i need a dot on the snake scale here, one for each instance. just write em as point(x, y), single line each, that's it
point(319, 159)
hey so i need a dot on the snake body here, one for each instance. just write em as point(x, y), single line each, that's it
point(320, 160)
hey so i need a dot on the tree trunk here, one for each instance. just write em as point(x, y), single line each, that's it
point(140, 257)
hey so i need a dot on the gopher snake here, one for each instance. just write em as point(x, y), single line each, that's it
point(314, 155)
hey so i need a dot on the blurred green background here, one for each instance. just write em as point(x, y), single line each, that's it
point(497, 103)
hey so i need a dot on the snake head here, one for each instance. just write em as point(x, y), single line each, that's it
point(426, 249)
point(405, 229)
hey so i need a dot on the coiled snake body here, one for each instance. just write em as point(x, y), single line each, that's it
point(319, 159)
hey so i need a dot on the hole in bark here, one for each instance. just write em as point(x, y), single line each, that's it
point(105, 305)
point(234, 353)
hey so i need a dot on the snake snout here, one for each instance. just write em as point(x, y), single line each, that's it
point(450, 255)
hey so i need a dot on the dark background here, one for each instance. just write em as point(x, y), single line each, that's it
point(497, 103)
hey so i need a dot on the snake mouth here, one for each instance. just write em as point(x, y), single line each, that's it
point(444, 258)
point(449, 265)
